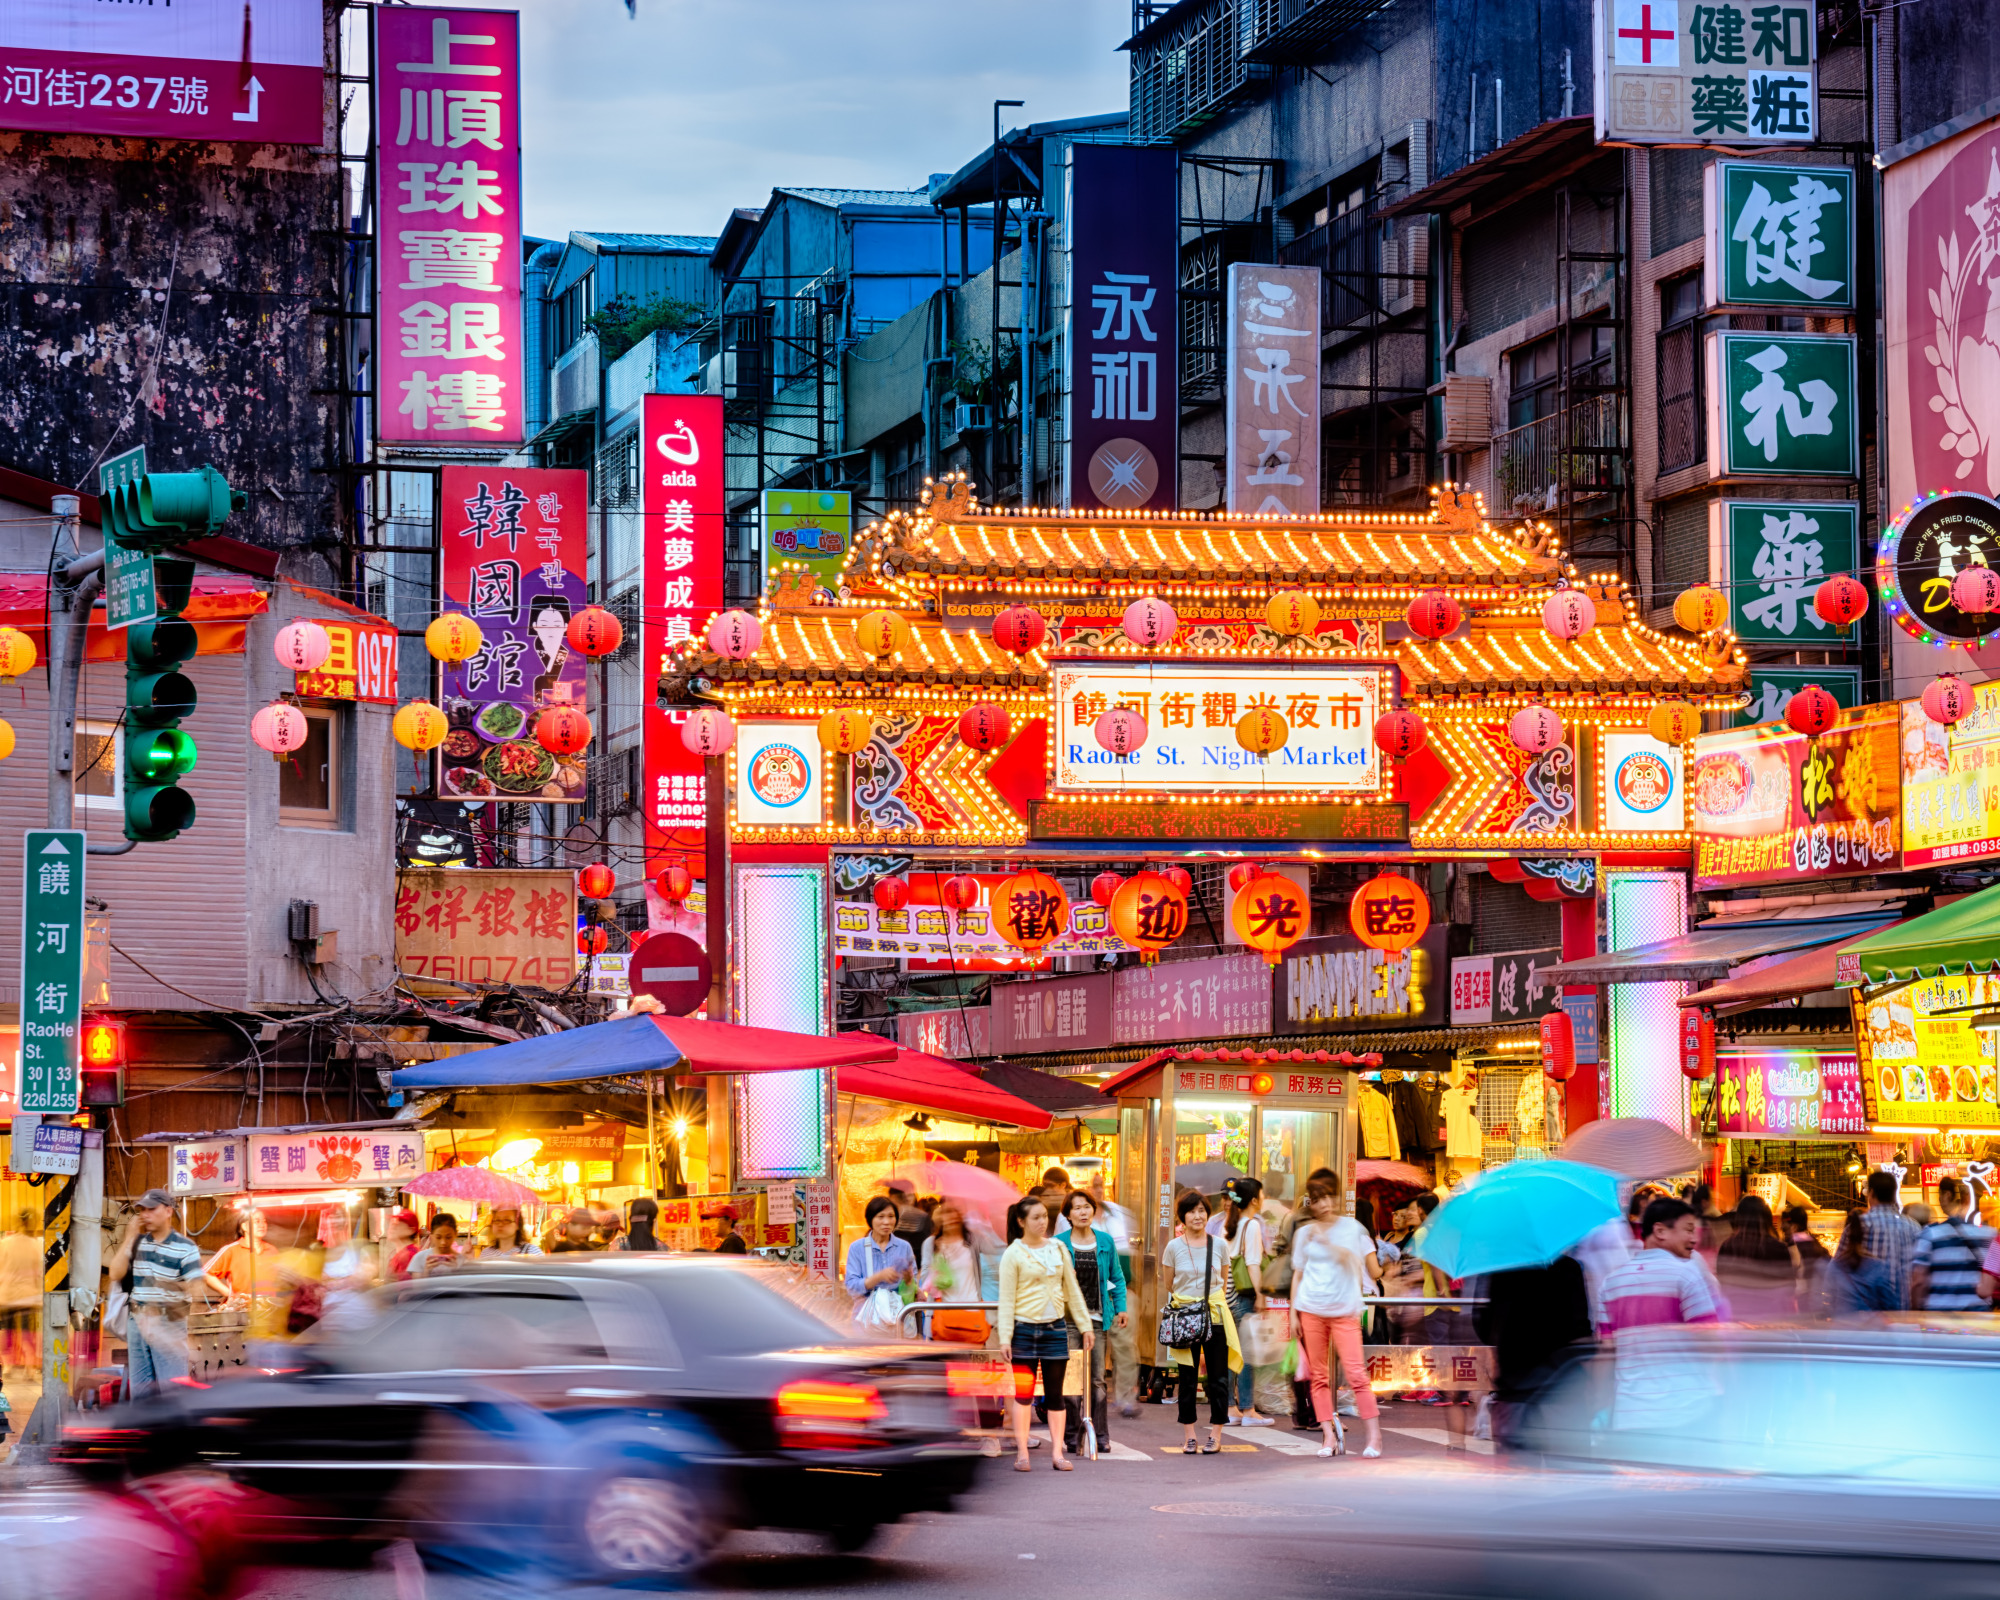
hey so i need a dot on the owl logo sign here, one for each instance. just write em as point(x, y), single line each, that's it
point(1644, 782)
point(780, 775)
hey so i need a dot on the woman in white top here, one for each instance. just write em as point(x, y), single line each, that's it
point(1333, 1266)
point(1037, 1287)
point(1195, 1266)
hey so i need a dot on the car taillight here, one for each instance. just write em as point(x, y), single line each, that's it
point(85, 1438)
point(814, 1414)
point(978, 1380)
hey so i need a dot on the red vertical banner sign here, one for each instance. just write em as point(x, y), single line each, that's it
point(448, 264)
point(515, 554)
point(681, 504)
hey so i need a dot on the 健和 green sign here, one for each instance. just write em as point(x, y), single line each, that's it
point(1782, 405)
point(1780, 552)
point(1780, 236)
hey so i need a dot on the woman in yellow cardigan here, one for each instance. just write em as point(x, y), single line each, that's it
point(1037, 1286)
point(1189, 1266)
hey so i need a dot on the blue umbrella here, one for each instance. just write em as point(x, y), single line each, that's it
point(1524, 1214)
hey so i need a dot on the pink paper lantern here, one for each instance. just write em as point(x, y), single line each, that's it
point(1535, 729)
point(301, 646)
point(1569, 613)
point(708, 732)
point(1947, 699)
point(280, 727)
point(1150, 622)
point(735, 635)
point(1976, 589)
point(1120, 731)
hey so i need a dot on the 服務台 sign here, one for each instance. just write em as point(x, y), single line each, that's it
point(1780, 552)
point(456, 926)
point(1779, 236)
point(1782, 405)
point(1731, 72)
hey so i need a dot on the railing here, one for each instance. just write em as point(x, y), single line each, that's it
point(573, 383)
point(1581, 448)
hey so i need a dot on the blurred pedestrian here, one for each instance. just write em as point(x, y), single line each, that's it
point(249, 1272)
point(504, 1236)
point(1333, 1266)
point(1194, 1268)
point(1796, 1226)
point(1278, 1274)
point(1121, 1359)
point(404, 1241)
point(878, 1263)
point(577, 1234)
point(440, 1255)
point(164, 1264)
point(1945, 1269)
point(1038, 1286)
point(1715, 1227)
point(639, 1234)
point(949, 1270)
point(1531, 1316)
point(1758, 1269)
point(1857, 1280)
point(1054, 1191)
point(1890, 1237)
point(1919, 1213)
point(913, 1223)
point(21, 1296)
point(1243, 1233)
point(728, 1242)
point(1094, 1258)
point(1665, 1284)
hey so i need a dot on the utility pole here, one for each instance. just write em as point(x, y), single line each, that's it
point(993, 349)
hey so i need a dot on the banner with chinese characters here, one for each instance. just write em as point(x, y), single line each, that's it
point(360, 666)
point(207, 1166)
point(1711, 72)
point(371, 1157)
point(1788, 1094)
point(1325, 982)
point(1218, 997)
point(958, 1034)
point(1778, 236)
point(680, 563)
point(514, 557)
point(1779, 553)
point(1503, 988)
point(1783, 405)
point(1951, 782)
point(1771, 806)
point(193, 69)
point(1923, 1062)
point(1071, 1013)
point(1458, 1368)
point(1207, 622)
point(448, 256)
point(1123, 425)
point(458, 926)
point(1272, 388)
point(935, 933)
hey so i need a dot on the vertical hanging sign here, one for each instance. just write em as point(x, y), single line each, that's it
point(51, 969)
point(681, 554)
point(448, 230)
point(1272, 384)
point(1124, 335)
point(515, 553)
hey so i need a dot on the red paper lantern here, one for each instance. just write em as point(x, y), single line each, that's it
point(1811, 711)
point(595, 632)
point(1030, 911)
point(1150, 622)
point(1270, 915)
point(1976, 589)
point(1841, 599)
point(1400, 734)
point(960, 893)
point(985, 727)
point(1535, 729)
point(1104, 886)
point(562, 730)
point(1241, 874)
point(1947, 699)
point(1558, 1047)
point(591, 941)
point(735, 635)
point(1149, 913)
point(1120, 731)
point(596, 881)
point(708, 732)
point(1179, 877)
point(1433, 614)
point(1019, 629)
point(891, 894)
point(1568, 614)
point(1698, 1043)
point(1389, 913)
point(675, 884)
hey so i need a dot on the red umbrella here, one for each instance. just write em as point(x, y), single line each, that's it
point(474, 1184)
point(985, 1195)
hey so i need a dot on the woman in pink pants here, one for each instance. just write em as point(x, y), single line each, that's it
point(1333, 1262)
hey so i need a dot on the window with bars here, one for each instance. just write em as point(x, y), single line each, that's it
point(614, 784)
point(1683, 436)
point(624, 605)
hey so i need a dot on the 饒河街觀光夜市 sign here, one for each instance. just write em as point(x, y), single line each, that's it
point(1780, 552)
point(779, 773)
point(1191, 710)
point(457, 926)
point(1782, 405)
point(1951, 782)
point(1768, 805)
point(1710, 72)
point(1779, 236)
point(1788, 1094)
point(1923, 1062)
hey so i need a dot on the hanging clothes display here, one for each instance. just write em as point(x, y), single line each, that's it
point(1463, 1139)
point(1378, 1125)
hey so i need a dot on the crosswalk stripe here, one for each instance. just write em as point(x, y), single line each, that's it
point(1285, 1443)
point(1112, 1450)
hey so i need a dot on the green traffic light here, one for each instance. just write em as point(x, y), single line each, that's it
point(158, 757)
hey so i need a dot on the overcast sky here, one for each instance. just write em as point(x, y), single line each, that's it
point(665, 123)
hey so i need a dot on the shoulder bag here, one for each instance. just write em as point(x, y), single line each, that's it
point(1186, 1327)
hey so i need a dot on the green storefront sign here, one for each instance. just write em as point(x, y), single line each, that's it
point(51, 969)
point(1772, 687)
point(1780, 236)
point(1782, 405)
point(1780, 551)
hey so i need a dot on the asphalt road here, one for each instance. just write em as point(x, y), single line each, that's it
point(1260, 1519)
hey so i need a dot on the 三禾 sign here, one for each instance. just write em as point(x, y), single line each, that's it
point(1788, 1094)
point(1191, 711)
point(1217, 997)
point(372, 1157)
point(1272, 389)
point(1779, 236)
point(1711, 72)
point(1782, 405)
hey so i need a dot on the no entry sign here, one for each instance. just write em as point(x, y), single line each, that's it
point(674, 970)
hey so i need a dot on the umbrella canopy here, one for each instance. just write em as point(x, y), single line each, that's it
point(1633, 1147)
point(1524, 1214)
point(475, 1185)
point(981, 1194)
point(911, 1078)
point(1207, 1176)
point(1391, 1172)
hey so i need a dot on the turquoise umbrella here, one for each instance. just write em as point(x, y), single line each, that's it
point(1524, 1214)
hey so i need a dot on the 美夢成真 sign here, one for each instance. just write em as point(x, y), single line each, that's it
point(1191, 711)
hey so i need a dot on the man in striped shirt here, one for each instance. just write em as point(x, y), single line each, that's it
point(1664, 1285)
point(1944, 1270)
point(162, 1263)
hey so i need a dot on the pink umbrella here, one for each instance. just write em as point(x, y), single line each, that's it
point(1391, 1171)
point(474, 1184)
point(986, 1195)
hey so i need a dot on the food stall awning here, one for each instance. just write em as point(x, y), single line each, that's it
point(909, 1077)
point(1709, 953)
point(629, 1046)
point(1961, 937)
point(1815, 972)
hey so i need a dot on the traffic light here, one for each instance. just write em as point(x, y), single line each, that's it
point(154, 513)
point(103, 1063)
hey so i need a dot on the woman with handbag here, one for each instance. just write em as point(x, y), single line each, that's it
point(951, 1270)
point(1094, 1256)
point(1333, 1263)
point(878, 1263)
point(1243, 1231)
point(1196, 1324)
point(1038, 1288)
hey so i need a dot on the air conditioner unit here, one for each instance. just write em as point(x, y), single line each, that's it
point(965, 418)
point(1468, 411)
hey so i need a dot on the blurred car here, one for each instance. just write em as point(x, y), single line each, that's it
point(1829, 1462)
point(614, 1414)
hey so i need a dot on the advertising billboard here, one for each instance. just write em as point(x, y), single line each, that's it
point(194, 69)
point(448, 263)
point(514, 558)
point(807, 534)
point(1709, 72)
point(1951, 782)
point(1339, 979)
point(780, 774)
point(1124, 329)
point(1272, 387)
point(1643, 791)
point(1503, 988)
point(1924, 1063)
point(1778, 235)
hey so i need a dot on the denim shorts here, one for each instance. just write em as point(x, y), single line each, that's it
point(1041, 1341)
